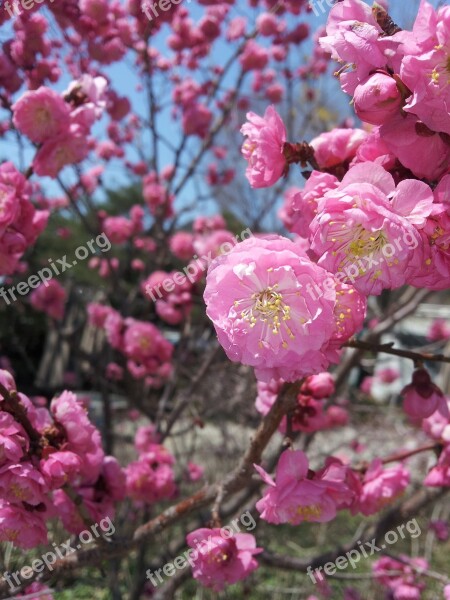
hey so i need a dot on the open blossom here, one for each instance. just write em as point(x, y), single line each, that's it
point(25, 528)
point(20, 222)
point(263, 148)
point(434, 271)
point(13, 439)
point(401, 578)
point(60, 468)
point(300, 206)
point(41, 114)
point(381, 487)
point(50, 297)
point(267, 315)
point(354, 37)
point(337, 147)
point(21, 482)
point(298, 495)
point(222, 561)
point(366, 230)
point(439, 330)
point(439, 475)
point(425, 70)
point(148, 481)
point(65, 148)
point(423, 151)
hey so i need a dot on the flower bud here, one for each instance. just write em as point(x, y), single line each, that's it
point(378, 99)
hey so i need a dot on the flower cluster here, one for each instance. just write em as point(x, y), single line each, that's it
point(311, 413)
point(300, 494)
point(41, 453)
point(150, 478)
point(20, 222)
point(147, 352)
point(60, 125)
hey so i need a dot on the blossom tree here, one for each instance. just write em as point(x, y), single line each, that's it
point(199, 381)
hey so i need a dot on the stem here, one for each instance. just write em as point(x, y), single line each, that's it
point(417, 357)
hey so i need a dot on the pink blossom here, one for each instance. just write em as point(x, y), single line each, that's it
point(296, 495)
point(149, 481)
point(145, 437)
point(377, 99)
point(422, 398)
point(267, 315)
point(388, 375)
point(195, 471)
point(21, 482)
point(300, 206)
point(41, 114)
point(145, 347)
point(417, 147)
point(366, 229)
point(114, 372)
point(25, 528)
point(425, 72)
point(253, 56)
point(60, 468)
point(437, 426)
point(118, 229)
point(366, 385)
point(441, 529)
point(221, 559)
point(439, 330)
point(263, 148)
point(401, 578)
point(50, 297)
point(13, 439)
point(381, 487)
point(114, 478)
point(181, 245)
point(439, 475)
point(83, 438)
point(319, 386)
point(197, 120)
point(97, 314)
point(63, 149)
point(38, 589)
point(337, 147)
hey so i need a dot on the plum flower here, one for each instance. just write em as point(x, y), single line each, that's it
point(267, 314)
point(264, 148)
point(41, 114)
point(381, 487)
point(26, 529)
point(298, 494)
point(422, 398)
point(366, 230)
point(222, 560)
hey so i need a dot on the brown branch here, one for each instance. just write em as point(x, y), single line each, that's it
point(417, 357)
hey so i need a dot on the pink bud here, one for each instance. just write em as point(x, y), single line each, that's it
point(378, 99)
